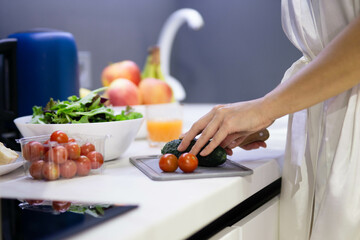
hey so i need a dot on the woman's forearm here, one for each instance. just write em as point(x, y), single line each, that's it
point(335, 70)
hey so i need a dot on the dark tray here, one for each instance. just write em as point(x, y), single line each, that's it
point(149, 165)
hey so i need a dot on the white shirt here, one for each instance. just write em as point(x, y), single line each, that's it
point(320, 196)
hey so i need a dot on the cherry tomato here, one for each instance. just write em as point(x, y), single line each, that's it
point(57, 154)
point(96, 159)
point(33, 151)
point(188, 162)
point(34, 202)
point(73, 150)
point(68, 169)
point(51, 171)
point(168, 162)
point(61, 206)
point(46, 145)
point(36, 169)
point(59, 136)
point(83, 166)
point(71, 139)
point(86, 148)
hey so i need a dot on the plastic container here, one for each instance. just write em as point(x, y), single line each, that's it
point(82, 155)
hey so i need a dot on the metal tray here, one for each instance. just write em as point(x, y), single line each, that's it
point(149, 165)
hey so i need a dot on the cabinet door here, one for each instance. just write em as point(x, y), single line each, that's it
point(228, 233)
point(261, 224)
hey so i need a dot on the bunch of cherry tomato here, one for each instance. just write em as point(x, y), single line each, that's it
point(187, 162)
point(58, 206)
point(61, 157)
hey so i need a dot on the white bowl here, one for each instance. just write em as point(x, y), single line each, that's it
point(120, 134)
point(137, 108)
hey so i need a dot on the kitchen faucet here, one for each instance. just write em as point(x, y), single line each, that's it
point(165, 42)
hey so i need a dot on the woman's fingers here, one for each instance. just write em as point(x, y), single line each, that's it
point(254, 145)
point(208, 133)
point(217, 138)
point(227, 126)
point(196, 129)
point(228, 151)
point(230, 140)
point(187, 137)
point(231, 143)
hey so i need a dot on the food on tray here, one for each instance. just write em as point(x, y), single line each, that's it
point(168, 162)
point(215, 158)
point(187, 162)
point(58, 156)
point(88, 109)
point(7, 155)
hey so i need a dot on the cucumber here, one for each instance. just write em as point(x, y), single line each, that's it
point(215, 158)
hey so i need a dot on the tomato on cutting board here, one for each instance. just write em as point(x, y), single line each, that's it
point(188, 162)
point(168, 162)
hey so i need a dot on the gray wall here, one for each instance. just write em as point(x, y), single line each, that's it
point(241, 52)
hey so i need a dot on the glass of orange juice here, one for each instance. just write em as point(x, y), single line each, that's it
point(164, 123)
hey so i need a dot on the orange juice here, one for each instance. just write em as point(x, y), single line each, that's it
point(164, 131)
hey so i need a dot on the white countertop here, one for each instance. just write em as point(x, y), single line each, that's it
point(166, 208)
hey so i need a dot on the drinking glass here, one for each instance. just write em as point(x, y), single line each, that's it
point(164, 122)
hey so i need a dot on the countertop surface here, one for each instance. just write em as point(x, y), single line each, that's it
point(166, 208)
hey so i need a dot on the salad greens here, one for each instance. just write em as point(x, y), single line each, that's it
point(89, 109)
point(95, 211)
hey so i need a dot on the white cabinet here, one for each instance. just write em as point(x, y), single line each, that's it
point(228, 233)
point(261, 224)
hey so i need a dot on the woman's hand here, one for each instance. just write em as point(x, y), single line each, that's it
point(227, 125)
point(250, 146)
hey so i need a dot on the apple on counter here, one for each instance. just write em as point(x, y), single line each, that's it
point(127, 86)
point(155, 91)
point(125, 69)
point(123, 92)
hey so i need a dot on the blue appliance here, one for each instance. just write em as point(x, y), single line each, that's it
point(46, 66)
point(35, 66)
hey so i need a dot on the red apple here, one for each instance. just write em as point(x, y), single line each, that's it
point(123, 92)
point(124, 69)
point(155, 91)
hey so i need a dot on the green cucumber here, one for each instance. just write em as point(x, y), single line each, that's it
point(215, 158)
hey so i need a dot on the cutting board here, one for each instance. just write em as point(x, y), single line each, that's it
point(149, 165)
